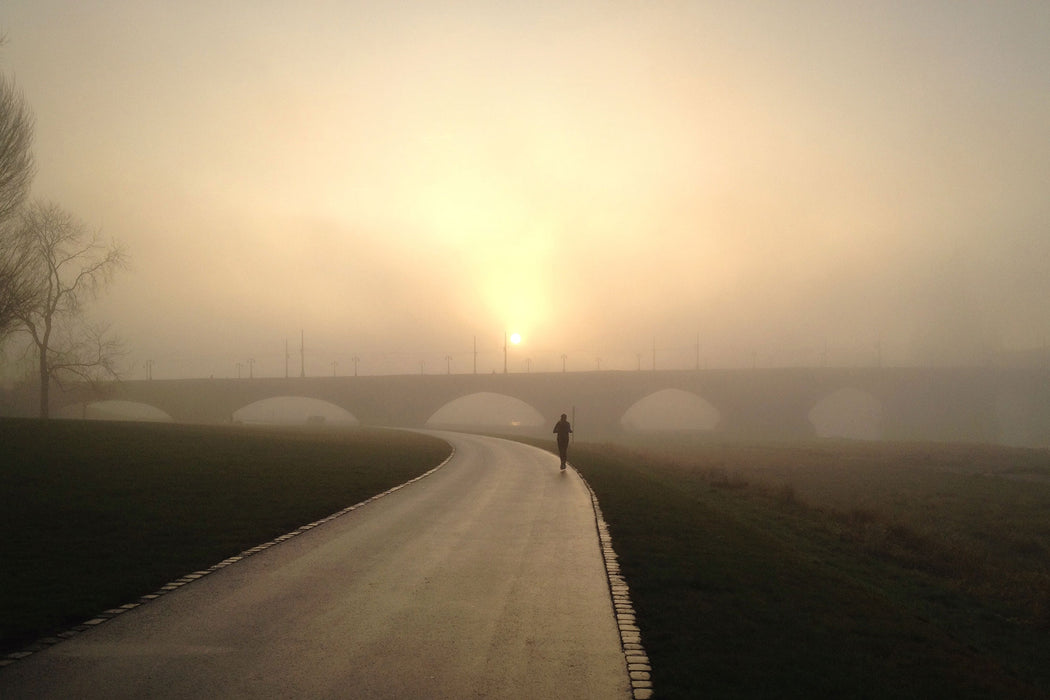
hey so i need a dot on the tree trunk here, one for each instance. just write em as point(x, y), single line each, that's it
point(45, 386)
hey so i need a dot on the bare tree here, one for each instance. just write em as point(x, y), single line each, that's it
point(16, 159)
point(16, 286)
point(65, 266)
point(16, 174)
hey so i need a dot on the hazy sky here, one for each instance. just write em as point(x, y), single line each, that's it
point(397, 178)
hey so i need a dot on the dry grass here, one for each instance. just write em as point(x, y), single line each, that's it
point(832, 569)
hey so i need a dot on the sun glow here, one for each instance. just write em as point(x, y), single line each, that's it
point(515, 279)
point(515, 338)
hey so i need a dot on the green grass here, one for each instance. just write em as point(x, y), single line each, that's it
point(97, 514)
point(832, 569)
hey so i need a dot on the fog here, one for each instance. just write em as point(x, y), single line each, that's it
point(624, 184)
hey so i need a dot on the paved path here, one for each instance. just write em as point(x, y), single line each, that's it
point(484, 579)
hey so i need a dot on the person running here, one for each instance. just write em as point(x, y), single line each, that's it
point(563, 429)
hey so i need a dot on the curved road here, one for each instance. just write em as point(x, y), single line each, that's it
point(484, 579)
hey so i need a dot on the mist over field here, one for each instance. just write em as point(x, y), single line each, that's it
point(347, 187)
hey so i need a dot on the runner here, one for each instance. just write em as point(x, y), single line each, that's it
point(563, 429)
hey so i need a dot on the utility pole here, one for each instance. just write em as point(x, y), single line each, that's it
point(356, 360)
point(564, 357)
point(302, 354)
point(286, 358)
point(251, 368)
point(335, 363)
point(448, 364)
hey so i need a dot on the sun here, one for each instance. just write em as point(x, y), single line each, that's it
point(515, 338)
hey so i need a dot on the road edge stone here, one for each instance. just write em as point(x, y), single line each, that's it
point(636, 660)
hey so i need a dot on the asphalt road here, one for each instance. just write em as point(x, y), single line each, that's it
point(483, 580)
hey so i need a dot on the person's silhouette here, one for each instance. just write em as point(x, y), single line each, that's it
point(563, 429)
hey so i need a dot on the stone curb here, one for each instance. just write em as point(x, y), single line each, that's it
point(635, 658)
point(102, 617)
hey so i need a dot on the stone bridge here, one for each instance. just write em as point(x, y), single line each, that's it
point(977, 404)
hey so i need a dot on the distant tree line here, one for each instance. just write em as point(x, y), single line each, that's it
point(51, 264)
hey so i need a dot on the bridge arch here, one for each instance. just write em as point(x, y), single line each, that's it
point(114, 409)
point(671, 409)
point(848, 412)
point(486, 409)
point(293, 410)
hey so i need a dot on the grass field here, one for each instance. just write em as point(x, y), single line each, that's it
point(833, 569)
point(97, 514)
point(826, 569)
